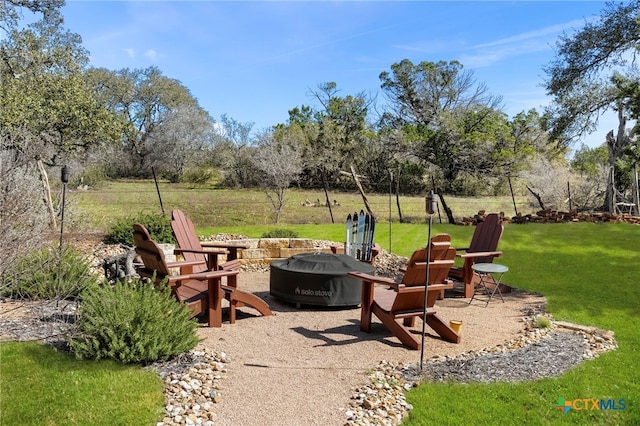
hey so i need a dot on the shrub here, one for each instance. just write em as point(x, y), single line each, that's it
point(93, 176)
point(199, 175)
point(280, 233)
point(43, 274)
point(133, 322)
point(23, 216)
point(541, 322)
point(158, 225)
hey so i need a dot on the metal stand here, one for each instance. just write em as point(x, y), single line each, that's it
point(431, 207)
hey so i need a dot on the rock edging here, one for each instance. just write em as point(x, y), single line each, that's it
point(382, 401)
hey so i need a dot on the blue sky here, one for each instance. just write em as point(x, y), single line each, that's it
point(254, 61)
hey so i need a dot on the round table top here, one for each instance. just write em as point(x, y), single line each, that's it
point(489, 268)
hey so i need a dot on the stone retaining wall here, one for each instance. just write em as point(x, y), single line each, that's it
point(266, 250)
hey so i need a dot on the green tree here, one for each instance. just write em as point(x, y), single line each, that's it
point(332, 137)
point(48, 115)
point(586, 79)
point(449, 119)
point(11, 11)
point(144, 99)
point(48, 109)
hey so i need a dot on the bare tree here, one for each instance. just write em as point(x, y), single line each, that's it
point(23, 217)
point(547, 182)
point(184, 136)
point(237, 137)
point(280, 164)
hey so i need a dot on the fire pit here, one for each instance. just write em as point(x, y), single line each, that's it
point(318, 279)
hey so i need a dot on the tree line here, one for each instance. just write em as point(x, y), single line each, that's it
point(437, 127)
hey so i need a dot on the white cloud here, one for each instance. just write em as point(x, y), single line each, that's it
point(130, 52)
point(528, 42)
point(545, 32)
point(151, 54)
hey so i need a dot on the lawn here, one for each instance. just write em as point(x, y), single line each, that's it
point(40, 386)
point(588, 272)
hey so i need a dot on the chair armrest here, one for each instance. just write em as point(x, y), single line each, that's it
point(224, 245)
point(185, 250)
point(372, 278)
point(183, 263)
point(401, 288)
point(203, 275)
point(479, 254)
point(232, 247)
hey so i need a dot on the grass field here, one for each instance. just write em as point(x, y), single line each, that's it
point(209, 207)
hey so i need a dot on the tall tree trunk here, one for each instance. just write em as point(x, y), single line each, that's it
point(398, 196)
point(540, 202)
point(636, 190)
point(47, 196)
point(513, 198)
point(435, 189)
point(447, 210)
point(615, 146)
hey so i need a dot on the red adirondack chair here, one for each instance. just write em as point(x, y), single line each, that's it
point(202, 291)
point(483, 249)
point(405, 300)
point(192, 249)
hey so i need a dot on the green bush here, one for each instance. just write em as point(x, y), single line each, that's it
point(280, 233)
point(93, 176)
point(133, 322)
point(158, 225)
point(541, 322)
point(199, 175)
point(42, 275)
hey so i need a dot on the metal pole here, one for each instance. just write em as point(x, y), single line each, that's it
point(390, 191)
point(431, 207)
point(157, 189)
point(64, 177)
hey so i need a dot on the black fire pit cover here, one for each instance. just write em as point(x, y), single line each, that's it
point(319, 279)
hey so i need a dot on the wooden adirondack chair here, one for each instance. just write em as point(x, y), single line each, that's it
point(405, 300)
point(193, 250)
point(440, 246)
point(202, 291)
point(483, 249)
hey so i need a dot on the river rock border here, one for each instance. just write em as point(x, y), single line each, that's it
point(382, 400)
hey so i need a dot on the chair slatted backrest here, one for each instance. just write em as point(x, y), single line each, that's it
point(486, 237)
point(187, 238)
point(438, 271)
point(411, 298)
point(151, 254)
point(415, 273)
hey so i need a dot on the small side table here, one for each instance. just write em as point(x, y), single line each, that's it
point(488, 273)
